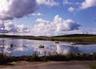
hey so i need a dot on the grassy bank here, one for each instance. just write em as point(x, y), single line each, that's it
point(80, 57)
point(85, 38)
point(92, 66)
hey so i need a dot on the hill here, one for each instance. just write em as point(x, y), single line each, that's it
point(67, 38)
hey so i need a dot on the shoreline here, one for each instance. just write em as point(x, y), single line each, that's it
point(49, 65)
point(76, 38)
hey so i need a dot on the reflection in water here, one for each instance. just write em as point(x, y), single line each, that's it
point(21, 47)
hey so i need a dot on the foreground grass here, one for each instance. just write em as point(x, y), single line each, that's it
point(5, 59)
point(92, 66)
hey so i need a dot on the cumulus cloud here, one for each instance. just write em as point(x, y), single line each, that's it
point(37, 14)
point(79, 5)
point(88, 4)
point(5, 28)
point(10, 9)
point(42, 27)
point(67, 2)
point(9, 27)
point(71, 9)
point(73, 6)
point(65, 25)
point(22, 29)
point(47, 2)
point(54, 27)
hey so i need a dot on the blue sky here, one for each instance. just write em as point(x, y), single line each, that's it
point(85, 17)
point(82, 12)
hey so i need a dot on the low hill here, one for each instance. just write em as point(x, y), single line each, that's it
point(76, 35)
point(68, 38)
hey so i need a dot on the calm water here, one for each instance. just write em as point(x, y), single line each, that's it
point(19, 47)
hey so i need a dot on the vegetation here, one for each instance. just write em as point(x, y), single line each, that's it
point(5, 59)
point(84, 38)
point(92, 66)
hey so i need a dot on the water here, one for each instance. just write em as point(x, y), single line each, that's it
point(24, 47)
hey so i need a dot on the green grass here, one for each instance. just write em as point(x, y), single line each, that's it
point(75, 39)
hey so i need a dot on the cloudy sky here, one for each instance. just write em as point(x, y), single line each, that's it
point(49, 17)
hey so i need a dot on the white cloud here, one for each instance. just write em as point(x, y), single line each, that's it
point(88, 4)
point(71, 9)
point(47, 2)
point(73, 5)
point(42, 27)
point(37, 14)
point(58, 25)
point(10, 9)
point(22, 28)
point(40, 20)
point(67, 2)
point(9, 27)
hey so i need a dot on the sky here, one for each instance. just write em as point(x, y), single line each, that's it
point(49, 17)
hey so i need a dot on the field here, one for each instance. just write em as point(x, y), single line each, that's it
point(84, 38)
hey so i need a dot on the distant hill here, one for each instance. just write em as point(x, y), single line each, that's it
point(75, 35)
point(85, 38)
